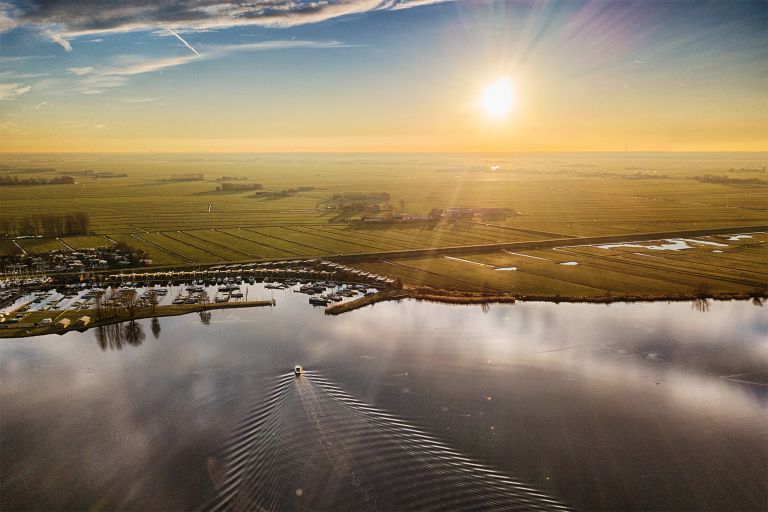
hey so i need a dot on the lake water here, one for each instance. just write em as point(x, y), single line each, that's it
point(404, 405)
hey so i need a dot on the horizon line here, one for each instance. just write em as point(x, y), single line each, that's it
point(599, 151)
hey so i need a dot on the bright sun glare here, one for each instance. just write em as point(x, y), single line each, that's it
point(498, 98)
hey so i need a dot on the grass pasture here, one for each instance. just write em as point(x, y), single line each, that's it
point(86, 241)
point(40, 245)
point(598, 272)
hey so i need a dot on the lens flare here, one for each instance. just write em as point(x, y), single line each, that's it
point(498, 98)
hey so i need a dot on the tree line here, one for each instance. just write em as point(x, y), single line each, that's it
point(727, 180)
point(9, 181)
point(46, 224)
point(239, 186)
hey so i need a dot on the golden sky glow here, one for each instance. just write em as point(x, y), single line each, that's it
point(495, 76)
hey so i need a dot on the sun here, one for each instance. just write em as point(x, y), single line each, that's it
point(498, 98)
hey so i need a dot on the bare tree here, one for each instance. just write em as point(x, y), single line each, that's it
point(152, 297)
point(134, 333)
point(108, 306)
point(99, 306)
point(130, 302)
point(156, 327)
point(700, 305)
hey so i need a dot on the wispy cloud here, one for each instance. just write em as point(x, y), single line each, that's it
point(9, 128)
point(63, 20)
point(7, 15)
point(58, 38)
point(20, 59)
point(81, 71)
point(130, 65)
point(137, 101)
point(13, 90)
point(40, 105)
point(407, 4)
point(14, 75)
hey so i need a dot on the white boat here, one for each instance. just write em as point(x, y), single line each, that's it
point(319, 301)
point(298, 370)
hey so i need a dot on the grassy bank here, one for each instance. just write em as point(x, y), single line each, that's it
point(444, 296)
point(146, 312)
point(469, 298)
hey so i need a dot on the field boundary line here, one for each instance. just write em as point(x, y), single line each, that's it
point(184, 242)
point(216, 244)
point(134, 235)
point(65, 244)
point(665, 269)
point(286, 240)
point(421, 270)
point(287, 251)
point(329, 236)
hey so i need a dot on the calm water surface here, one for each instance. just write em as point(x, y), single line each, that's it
point(409, 405)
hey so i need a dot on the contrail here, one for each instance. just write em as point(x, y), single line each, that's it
point(182, 40)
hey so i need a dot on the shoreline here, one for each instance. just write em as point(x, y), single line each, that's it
point(418, 294)
point(140, 314)
point(470, 298)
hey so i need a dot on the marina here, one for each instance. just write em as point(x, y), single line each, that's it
point(325, 283)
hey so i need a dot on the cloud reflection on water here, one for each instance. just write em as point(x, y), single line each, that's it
point(619, 389)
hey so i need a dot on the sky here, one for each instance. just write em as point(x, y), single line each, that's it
point(383, 75)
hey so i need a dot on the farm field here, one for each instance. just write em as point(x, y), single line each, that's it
point(86, 241)
point(731, 266)
point(40, 245)
point(154, 205)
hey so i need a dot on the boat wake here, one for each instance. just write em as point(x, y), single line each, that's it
point(308, 445)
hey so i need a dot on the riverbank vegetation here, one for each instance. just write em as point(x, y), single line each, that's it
point(700, 301)
point(84, 319)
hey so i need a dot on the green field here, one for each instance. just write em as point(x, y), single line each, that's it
point(86, 241)
point(558, 196)
point(740, 267)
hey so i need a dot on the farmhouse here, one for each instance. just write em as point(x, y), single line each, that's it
point(459, 212)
